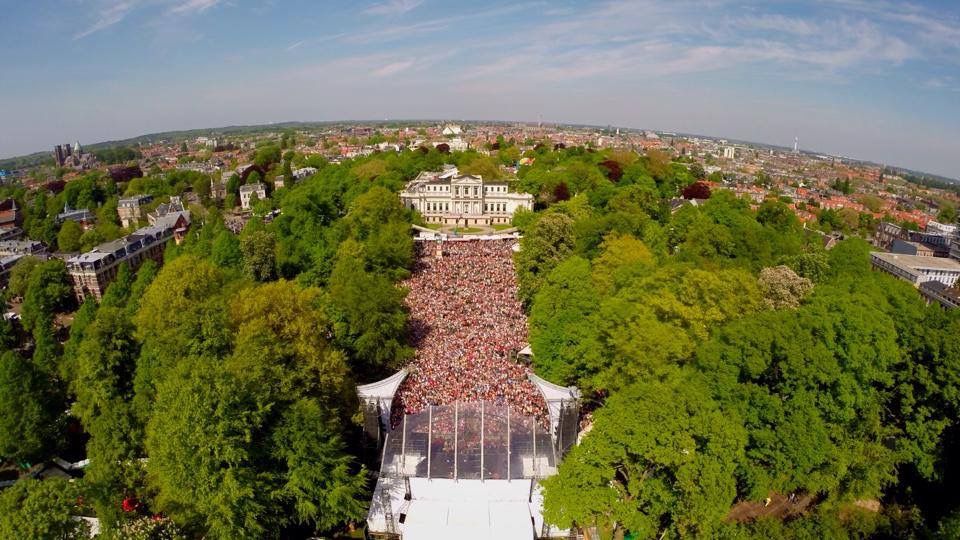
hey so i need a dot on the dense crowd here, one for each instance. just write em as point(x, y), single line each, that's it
point(467, 325)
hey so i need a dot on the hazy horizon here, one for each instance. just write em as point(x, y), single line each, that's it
point(874, 81)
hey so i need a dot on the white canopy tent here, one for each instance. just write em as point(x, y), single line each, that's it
point(379, 395)
point(558, 397)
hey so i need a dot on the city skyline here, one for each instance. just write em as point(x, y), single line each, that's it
point(873, 81)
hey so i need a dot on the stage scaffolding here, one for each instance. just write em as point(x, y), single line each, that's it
point(469, 441)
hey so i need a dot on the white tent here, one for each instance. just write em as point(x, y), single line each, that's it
point(380, 394)
point(555, 396)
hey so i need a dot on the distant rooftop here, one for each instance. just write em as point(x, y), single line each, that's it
point(918, 261)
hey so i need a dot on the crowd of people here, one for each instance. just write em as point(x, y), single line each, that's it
point(467, 326)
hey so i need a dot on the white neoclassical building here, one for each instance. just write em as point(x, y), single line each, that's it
point(451, 198)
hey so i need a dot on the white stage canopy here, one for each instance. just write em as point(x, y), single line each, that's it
point(380, 394)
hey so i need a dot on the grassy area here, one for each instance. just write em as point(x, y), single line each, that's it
point(468, 230)
point(434, 226)
point(502, 226)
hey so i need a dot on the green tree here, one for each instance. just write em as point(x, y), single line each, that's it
point(266, 156)
point(202, 462)
point(947, 214)
point(320, 480)
point(28, 416)
point(20, 275)
point(69, 237)
point(658, 319)
point(368, 314)
point(622, 258)
point(226, 252)
point(549, 241)
point(659, 461)
point(182, 314)
point(41, 509)
point(48, 292)
point(563, 333)
point(281, 342)
point(809, 384)
point(230, 460)
point(259, 255)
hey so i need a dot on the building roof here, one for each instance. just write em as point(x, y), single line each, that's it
point(168, 221)
point(9, 260)
point(75, 214)
point(487, 510)
point(918, 262)
point(251, 188)
point(175, 204)
point(136, 200)
point(107, 249)
point(20, 246)
point(941, 289)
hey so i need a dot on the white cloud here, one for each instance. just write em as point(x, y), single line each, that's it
point(109, 16)
point(115, 11)
point(393, 7)
point(187, 7)
point(393, 68)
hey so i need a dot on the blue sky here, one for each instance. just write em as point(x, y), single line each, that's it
point(867, 79)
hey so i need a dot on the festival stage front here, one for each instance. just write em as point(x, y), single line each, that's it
point(470, 509)
point(467, 470)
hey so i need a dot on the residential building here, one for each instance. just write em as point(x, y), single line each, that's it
point(452, 129)
point(93, 271)
point(886, 233)
point(456, 144)
point(906, 247)
point(7, 262)
point(218, 188)
point(300, 174)
point(729, 152)
point(10, 214)
point(449, 198)
point(130, 209)
point(942, 229)
point(22, 247)
point(10, 234)
point(934, 291)
point(175, 204)
point(917, 269)
point(249, 191)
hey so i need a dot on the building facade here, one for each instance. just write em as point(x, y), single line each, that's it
point(906, 247)
point(463, 200)
point(934, 291)
point(10, 214)
point(93, 271)
point(248, 191)
point(130, 209)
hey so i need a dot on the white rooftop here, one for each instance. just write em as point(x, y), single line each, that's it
point(919, 262)
point(464, 509)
